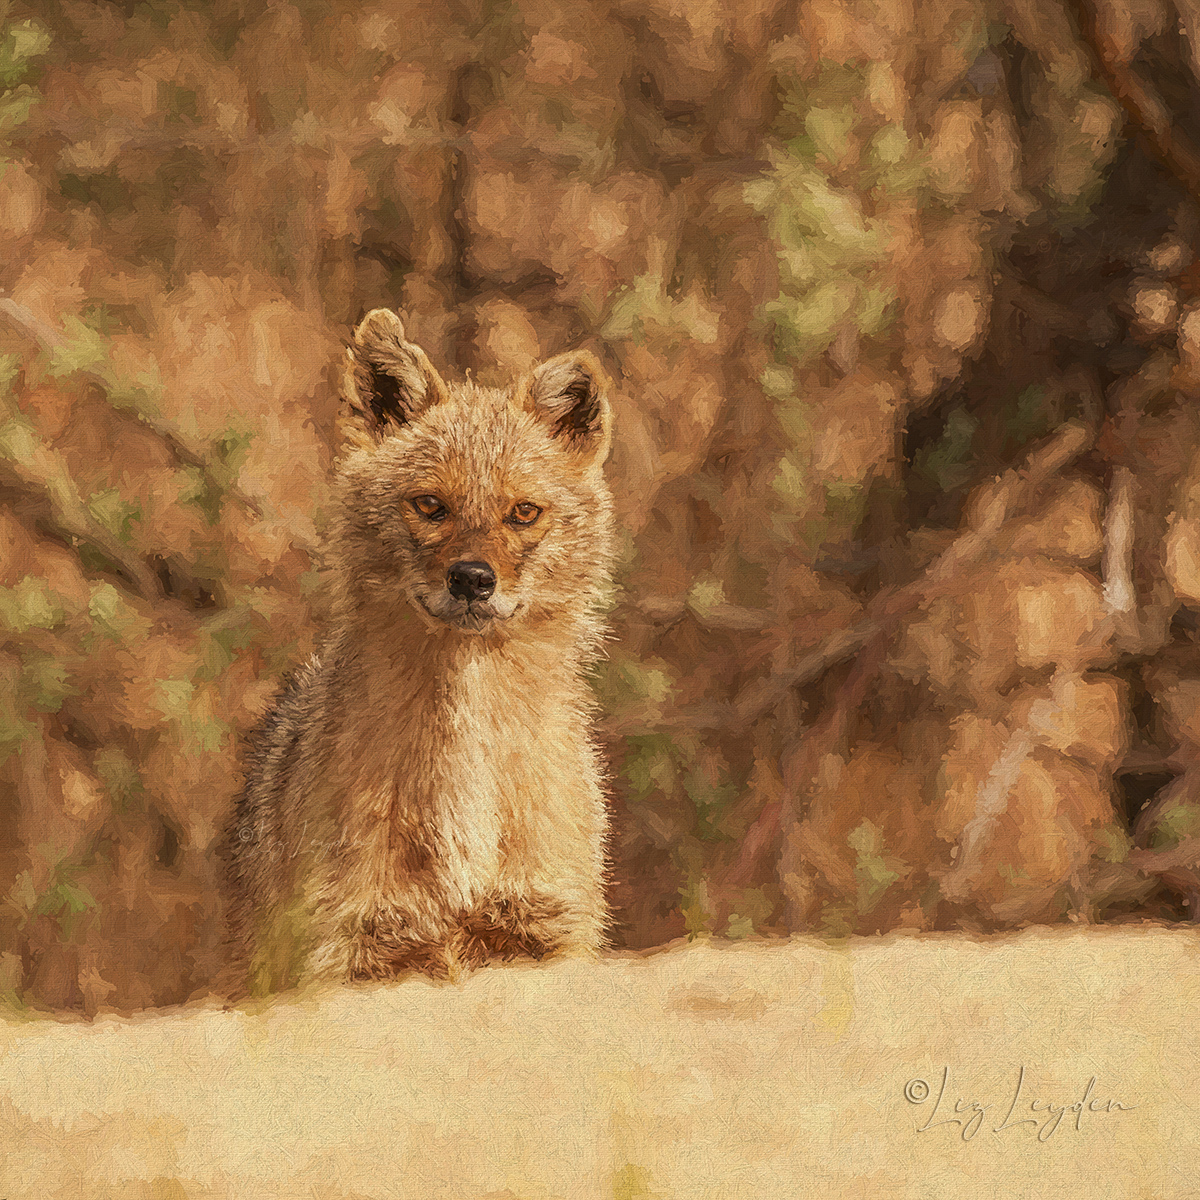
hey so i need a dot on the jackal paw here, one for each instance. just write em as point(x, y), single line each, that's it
point(506, 928)
point(380, 952)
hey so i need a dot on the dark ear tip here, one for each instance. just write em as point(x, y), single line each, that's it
point(380, 325)
point(594, 369)
point(590, 363)
point(566, 372)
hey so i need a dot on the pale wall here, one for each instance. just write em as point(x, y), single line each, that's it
point(715, 1071)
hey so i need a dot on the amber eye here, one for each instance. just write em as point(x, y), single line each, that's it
point(431, 508)
point(524, 513)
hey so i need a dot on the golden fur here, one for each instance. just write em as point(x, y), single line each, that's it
point(426, 793)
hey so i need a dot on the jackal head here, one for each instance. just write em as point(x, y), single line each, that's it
point(484, 509)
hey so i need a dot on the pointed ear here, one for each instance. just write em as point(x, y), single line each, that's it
point(570, 395)
point(388, 380)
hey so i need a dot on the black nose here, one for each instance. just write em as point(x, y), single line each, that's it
point(471, 581)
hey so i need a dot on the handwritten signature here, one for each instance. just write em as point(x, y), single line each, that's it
point(971, 1113)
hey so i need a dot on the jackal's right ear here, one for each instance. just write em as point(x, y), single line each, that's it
point(570, 394)
point(388, 380)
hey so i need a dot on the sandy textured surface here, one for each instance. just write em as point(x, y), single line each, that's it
point(707, 1071)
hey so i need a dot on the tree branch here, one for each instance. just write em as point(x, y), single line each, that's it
point(71, 517)
point(185, 448)
point(990, 507)
point(1167, 142)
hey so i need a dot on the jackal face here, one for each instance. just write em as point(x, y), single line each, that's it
point(484, 509)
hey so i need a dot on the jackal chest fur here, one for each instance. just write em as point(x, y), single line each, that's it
point(426, 793)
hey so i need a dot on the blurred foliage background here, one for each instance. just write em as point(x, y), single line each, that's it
point(901, 299)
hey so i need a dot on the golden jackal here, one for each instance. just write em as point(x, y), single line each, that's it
point(426, 793)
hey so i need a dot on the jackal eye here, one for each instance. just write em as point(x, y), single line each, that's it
point(430, 507)
point(524, 513)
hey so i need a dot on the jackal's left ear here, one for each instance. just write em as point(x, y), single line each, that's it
point(388, 380)
point(570, 394)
